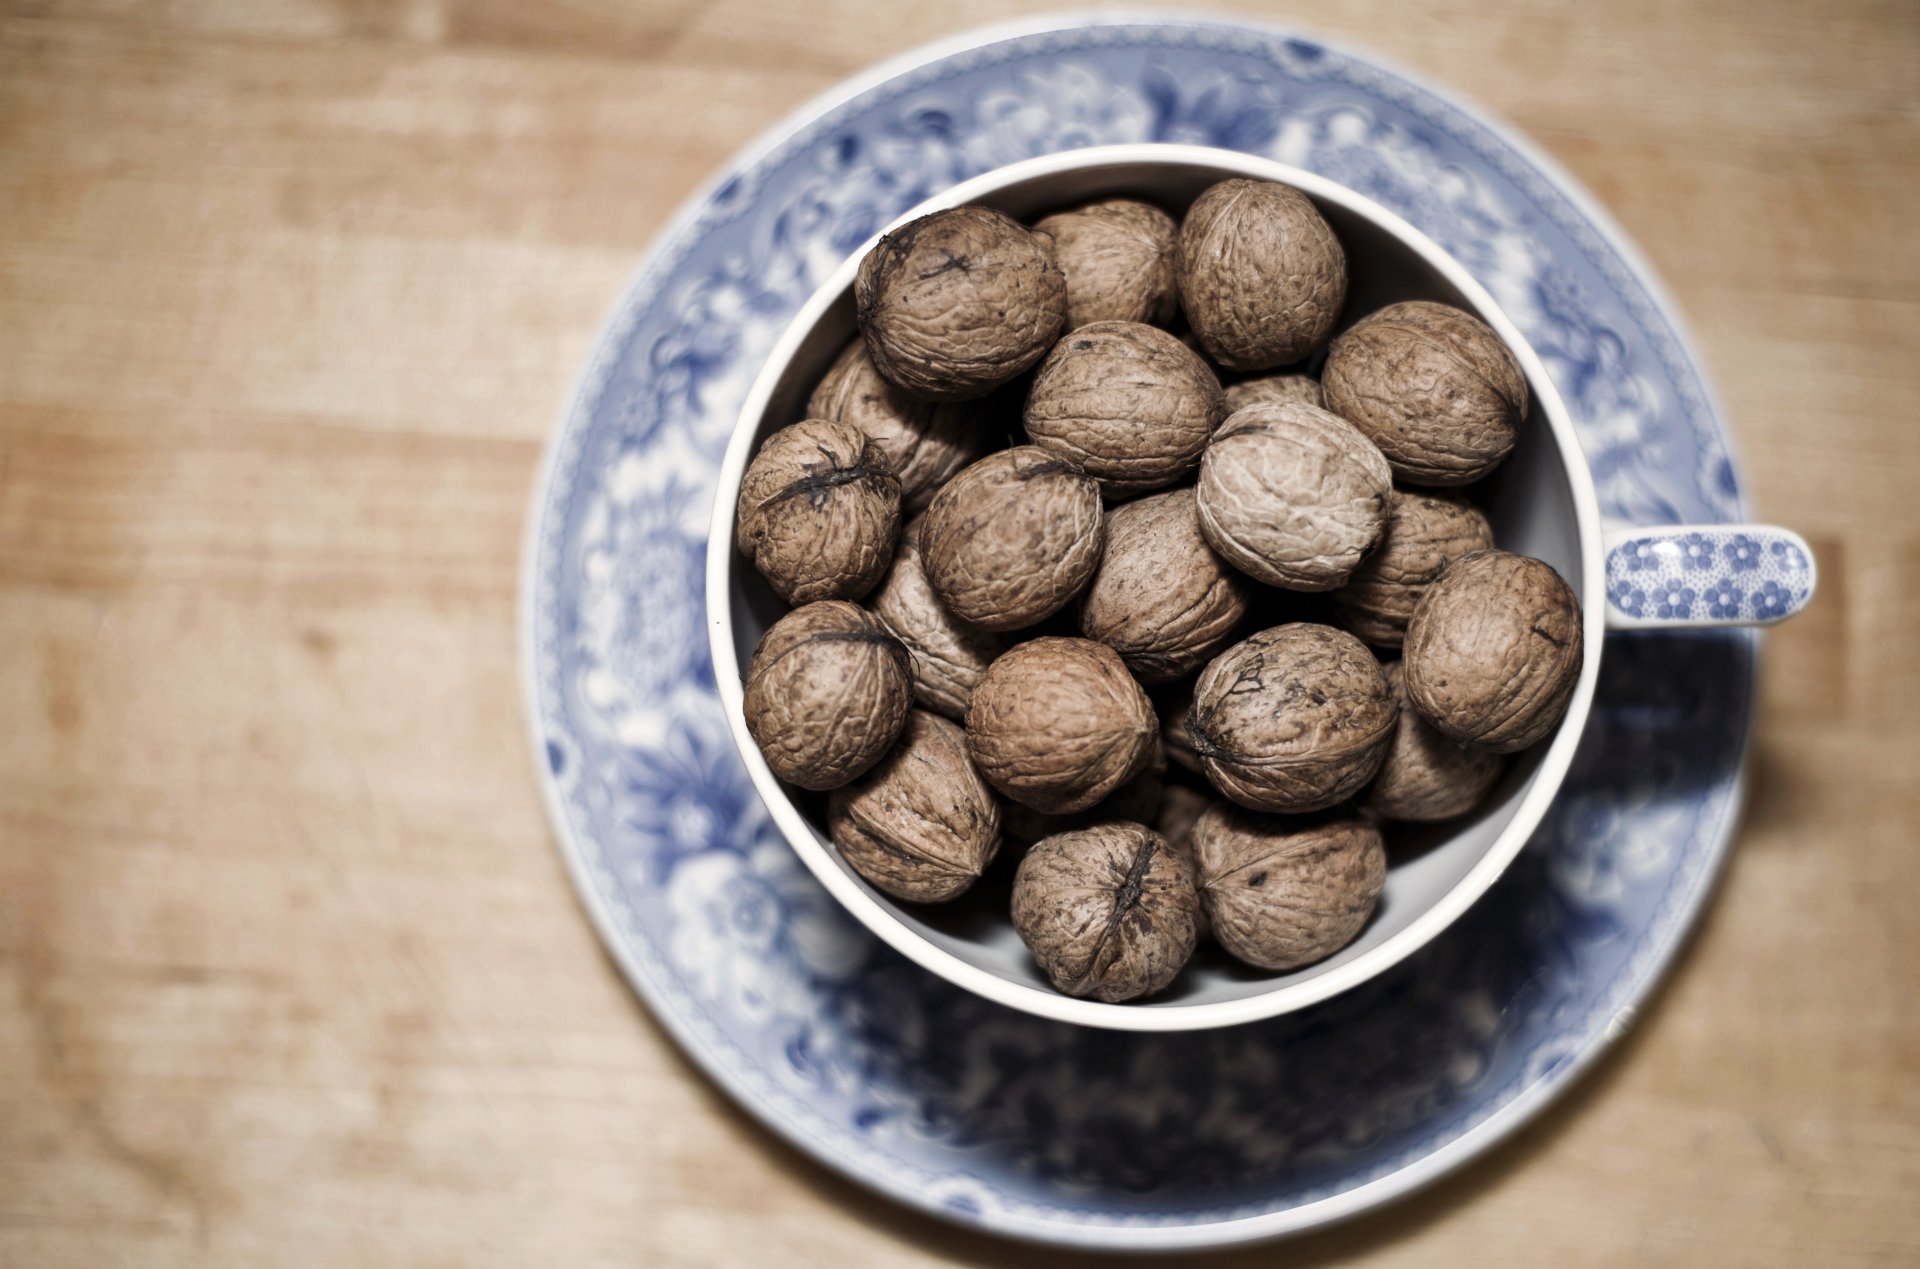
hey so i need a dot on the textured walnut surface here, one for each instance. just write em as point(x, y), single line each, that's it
point(819, 509)
point(1425, 532)
point(1434, 388)
point(827, 692)
point(1262, 275)
point(1494, 651)
point(1282, 893)
point(949, 656)
point(1137, 800)
point(1292, 719)
point(1426, 776)
point(1058, 724)
point(958, 302)
point(1275, 388)
point(1129, 404)
point(1117, 256)
point(1162, 598)
point(921, 825)
point(1180, 809)
point(1013, 538)
point(1293, 496)
point(1173, 708)
point(925, 442)
point(1107, 911)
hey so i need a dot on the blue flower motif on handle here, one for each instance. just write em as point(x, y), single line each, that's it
point(1696, 551)
point(1723, 601)
point(1771, 600)
point(1674, 601)
point(1742, 553)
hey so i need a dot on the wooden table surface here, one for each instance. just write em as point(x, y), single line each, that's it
point(290, 973)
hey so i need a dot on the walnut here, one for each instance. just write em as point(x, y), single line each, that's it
point(1295, 718)
point(1057, 724)
point(1434, 388)
point(1180, 809)
point(949, 656)
point(1427, 777)
point(1285, 893)
point(1117, 256)
point(1494, 650)
point(1293, 496)
point(1262, 276)
point(1013, 538)
point(1425, 532)
point(1137, 800)
point(1127, 403)
point(956, 303)
point(925, 442)
point(1285, 386)
point(819, 508)
point(1107, 911)
point(1173, 709)
point(921, 825)
point(1161, 598)
point(827, 692)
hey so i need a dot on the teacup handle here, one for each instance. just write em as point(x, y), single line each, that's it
point(1679, 575)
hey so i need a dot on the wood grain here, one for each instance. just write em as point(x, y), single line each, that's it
point(290, 292)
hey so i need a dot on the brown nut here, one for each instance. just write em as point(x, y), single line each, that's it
point(1107, 911)
point(1161, 598)
point(1427, 777)
point(1293, 496)
point(925, 442)
point(1274, 389)
point(949, 656)
point(1173, 710)
point(1283, 894)
point(819, 508)
point(1292, 719)
point(1117, 256)
point(1434, 388)
point(1058, 724)
point(956, 303)
point(827, 692)
point(1425, 533)
point(1013, 538)
point(921, 825)
point(1137, 800)
point(1127, 403)
point(1494, 650)
point(1180, 809)
point(1262, 275)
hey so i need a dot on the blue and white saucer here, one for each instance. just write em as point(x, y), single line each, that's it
point(987, 1116)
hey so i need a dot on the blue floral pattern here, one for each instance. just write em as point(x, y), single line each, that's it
point(1729, 575)
point(993, 1117)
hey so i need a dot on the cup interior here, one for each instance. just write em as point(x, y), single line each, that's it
point(1538, 502)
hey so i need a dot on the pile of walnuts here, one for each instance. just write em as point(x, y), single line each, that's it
point(977, 623)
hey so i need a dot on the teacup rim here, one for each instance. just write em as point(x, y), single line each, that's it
point(876, 914)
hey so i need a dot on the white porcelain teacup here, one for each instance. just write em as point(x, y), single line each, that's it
point(1541, 503)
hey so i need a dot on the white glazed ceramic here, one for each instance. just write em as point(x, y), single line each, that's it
point(1541, 503)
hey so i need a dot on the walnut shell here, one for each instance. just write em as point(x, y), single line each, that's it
point(1127, 403)
point(1494, 650)
point(1295, 718)
point(819, 509)
point(1161, 598)
point(1283, 894)
point(1117, 256)
point(1425, 533)
point(1434, 388)
point(1293, 496)
point(1173, 710)
point(1107, 911)
point(921, 825)
point(1180, 809)
point(956, 303)
point(1057, 724)
point(1262, 275)
point(949, 656)
point(1013, 538)
point(1275, 388)
point(827, 693)
point(1138, 800)
point(925, 442)
point(1427, 777)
